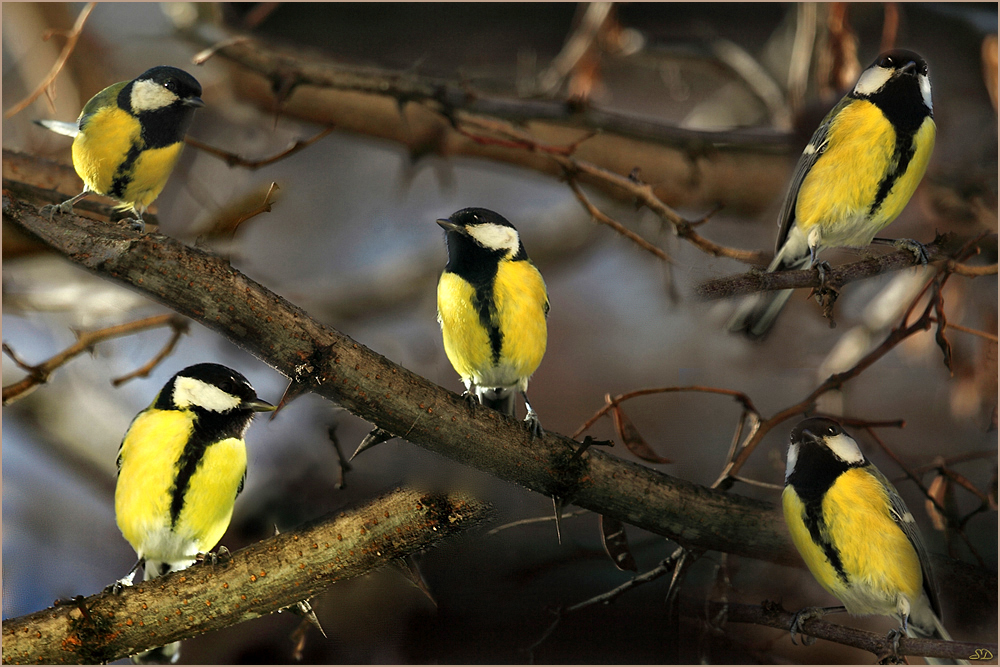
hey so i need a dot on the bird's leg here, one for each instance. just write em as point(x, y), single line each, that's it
point(916, 247)
point(533, 423)
point(119, 586)
point(66, 207)
point(137, 224)
point(808, 614)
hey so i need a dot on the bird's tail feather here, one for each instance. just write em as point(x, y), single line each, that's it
point(756, 313)
point(931, 628)
point(501, 400)
point(60, 127)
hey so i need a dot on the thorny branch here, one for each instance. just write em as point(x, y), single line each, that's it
point(44, 87)
point(39, 374)
point(772, 615)
point(760, 426)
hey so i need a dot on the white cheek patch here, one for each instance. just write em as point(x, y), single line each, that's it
point(793, 456)
point(495, 237)
point(872, 79)
point(925, 90)
point(148, 96)
point(191, 392)
point(844, 448)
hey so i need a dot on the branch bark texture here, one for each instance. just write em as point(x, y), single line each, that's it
point(258, 580)
point(743, 171)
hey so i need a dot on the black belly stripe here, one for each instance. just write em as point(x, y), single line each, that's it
point(209, 428)
point(905, 149)
point(488, 317)
point(192, 455)
point(123, 175)
point(814, 522)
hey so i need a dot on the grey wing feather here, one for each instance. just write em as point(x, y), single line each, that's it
point(912, 532)
point(60, 127)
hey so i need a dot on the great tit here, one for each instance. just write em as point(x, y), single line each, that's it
point(128, 138)
point(854, 177)
point(492, 306)
point(181, 465)
point(855, 533)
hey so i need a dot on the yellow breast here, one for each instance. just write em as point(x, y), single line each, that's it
point(466, 341)
point(877, 557)
point(108, 155)
point(103, 146)
point(146, 481)
point(520, 302)
point(839, 190)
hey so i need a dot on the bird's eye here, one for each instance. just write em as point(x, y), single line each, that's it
point(831, 430)
point(170, 85)
point(227, 386)
point(885, 61)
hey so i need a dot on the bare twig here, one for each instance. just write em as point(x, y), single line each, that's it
point(835, 381)
point(740, 397)
point(614, 224)
point(71, 39)
point(234, 160)
point(536, 519)
point(180, 326)
point(39, 374)
point(975, 332)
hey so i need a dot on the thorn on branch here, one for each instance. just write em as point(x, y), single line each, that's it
point(375, 437)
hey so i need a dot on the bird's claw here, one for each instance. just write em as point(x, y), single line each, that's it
point(916, 247)
point(50, 210)
point(214, 557)
point(533, 424)
point(801, 617)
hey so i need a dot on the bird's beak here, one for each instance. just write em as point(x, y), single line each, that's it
point(194, 102)
point(908, 67)
point(258, 405)
point(450, 226)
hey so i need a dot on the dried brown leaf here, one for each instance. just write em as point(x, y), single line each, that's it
point(630, 435)
point(938, 490)
point(616, 544)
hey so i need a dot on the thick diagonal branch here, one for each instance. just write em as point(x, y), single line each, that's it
point(210, 291)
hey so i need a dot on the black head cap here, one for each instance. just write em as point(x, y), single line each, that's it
point(478, 216)
point(177, 81)
point(815, 428)
point(902, 59)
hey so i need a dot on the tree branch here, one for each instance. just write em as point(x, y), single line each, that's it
point(261, 579)
point(837, 277)
point(742, 170)
point(322, 360)
point(39, 374)
point(770, 614)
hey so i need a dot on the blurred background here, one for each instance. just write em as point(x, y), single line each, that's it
point(351, 239)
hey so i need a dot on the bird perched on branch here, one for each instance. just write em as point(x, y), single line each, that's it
point(181, 465)
point(855, 533)
point(128, 138)
point(857, 173)
point(492, 306)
